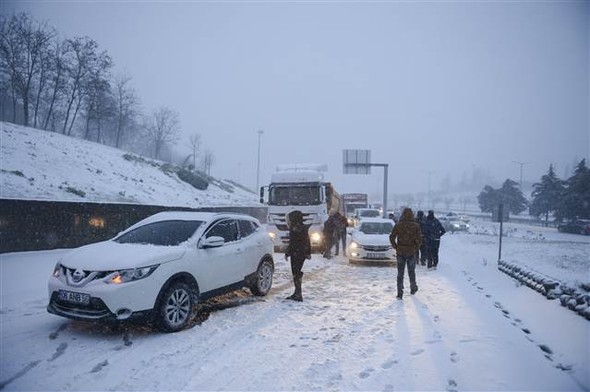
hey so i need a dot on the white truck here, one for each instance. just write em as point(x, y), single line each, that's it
point(299, 187)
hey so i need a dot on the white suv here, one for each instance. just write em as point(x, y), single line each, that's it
point(161, 267)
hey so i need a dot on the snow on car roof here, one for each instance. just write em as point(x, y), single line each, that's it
point(192, 215)
point(375, 220)
point(189, 215)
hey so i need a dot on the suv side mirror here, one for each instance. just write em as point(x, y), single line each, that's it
point(212, 242)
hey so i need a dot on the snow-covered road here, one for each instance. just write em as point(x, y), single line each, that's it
point(469, 327)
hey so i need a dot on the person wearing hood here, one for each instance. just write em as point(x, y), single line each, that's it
point(421, 219)
point(406, 238)
point(434, 230)
point(299, 250)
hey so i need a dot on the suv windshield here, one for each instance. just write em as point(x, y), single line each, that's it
point(165, 233)
point(294, 195)
point(376, 228)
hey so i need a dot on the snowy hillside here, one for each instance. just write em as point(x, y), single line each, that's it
point(41, 165)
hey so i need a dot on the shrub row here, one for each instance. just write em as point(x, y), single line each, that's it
point(574, 297)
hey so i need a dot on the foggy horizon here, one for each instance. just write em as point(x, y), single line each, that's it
point(438, 91)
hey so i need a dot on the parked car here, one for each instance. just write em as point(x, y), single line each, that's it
point(361, 213)
point(454, 216)
point(370, 242)
point(577, 226)
point(453, 225)
point(161, 267)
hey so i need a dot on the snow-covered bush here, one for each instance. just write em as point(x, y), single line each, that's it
point(574, 297)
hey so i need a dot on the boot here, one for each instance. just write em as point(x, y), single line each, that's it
point(297, 296)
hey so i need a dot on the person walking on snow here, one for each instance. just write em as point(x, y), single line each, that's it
point(423, 248)
point(299, 250)
point(434, 230)
point(341, 224)
point(328, 233)
point(406, 238)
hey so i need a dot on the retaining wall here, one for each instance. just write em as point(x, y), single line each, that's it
point(29, 225)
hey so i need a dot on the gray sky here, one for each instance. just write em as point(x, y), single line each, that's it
point(431, 88)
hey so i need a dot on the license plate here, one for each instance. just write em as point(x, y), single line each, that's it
point(76, 298)
point(375, 255)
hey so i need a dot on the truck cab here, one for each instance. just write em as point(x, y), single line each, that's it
point(303, 189)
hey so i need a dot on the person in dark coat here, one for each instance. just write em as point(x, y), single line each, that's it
point(421, 219)
point(434, 230)
point(406, 239)
point(328, 233)
point(341, 223)
point(299, 250)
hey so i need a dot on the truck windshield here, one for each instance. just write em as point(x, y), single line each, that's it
point(294, 195)
point(351, 207)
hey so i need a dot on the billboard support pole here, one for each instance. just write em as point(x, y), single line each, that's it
point(359, 162)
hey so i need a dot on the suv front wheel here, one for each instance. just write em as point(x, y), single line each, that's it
point(263, 279)
point(175, 308)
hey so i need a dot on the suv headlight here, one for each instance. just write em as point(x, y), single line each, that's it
point(57, 270)
point(129, 275)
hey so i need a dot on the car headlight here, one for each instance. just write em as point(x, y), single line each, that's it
point(57, 270)
point(354, 245)
point(272, 235)
point(316, 237)
point(129, 275)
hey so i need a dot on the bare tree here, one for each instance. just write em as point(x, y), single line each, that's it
point(163, 127)
point(195, 144)
point(82, 60)
point(418, 199)
point(56, 82)
point(22, 44)
point(448, 200)
point(42, 81)
point(207, 161)
point(98, 100)
point(126, 103)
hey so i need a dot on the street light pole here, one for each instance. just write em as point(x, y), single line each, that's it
point(521, 165)
point(260, 132)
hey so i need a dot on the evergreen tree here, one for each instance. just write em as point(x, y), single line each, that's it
point(546, 195)
point(488, 199)
point(575, 202)
point(509, 194)
point(512, 197)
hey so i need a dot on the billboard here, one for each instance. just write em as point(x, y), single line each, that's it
point(356, 161)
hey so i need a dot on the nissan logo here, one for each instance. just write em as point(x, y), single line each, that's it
point(78, 275)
